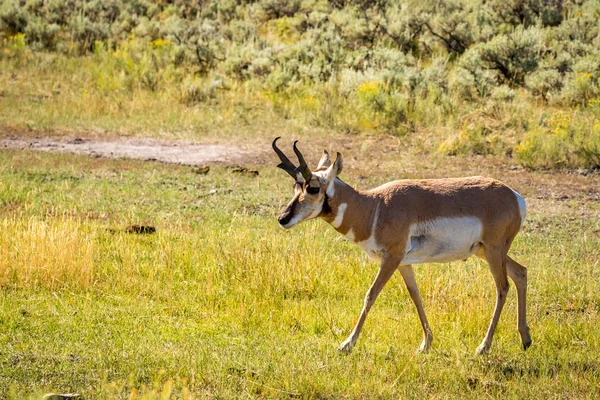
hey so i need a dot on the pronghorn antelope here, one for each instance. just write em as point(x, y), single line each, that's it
point(409, 222)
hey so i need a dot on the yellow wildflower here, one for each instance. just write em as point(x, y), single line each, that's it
point(160, 43)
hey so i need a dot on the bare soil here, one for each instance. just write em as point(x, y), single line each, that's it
point(168, 151)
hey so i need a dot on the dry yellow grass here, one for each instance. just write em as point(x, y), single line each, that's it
point(45, 253)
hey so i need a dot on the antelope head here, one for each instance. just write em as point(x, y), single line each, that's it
point(310, 187)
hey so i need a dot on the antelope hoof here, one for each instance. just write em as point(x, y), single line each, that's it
point(526, 339)
point(482, 349)
point(347, 345)
point(425, 346)
point(526, 343)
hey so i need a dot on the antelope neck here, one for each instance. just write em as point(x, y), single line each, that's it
point(350, 211)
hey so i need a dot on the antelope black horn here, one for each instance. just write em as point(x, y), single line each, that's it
point(302, 168)
point(285, 164)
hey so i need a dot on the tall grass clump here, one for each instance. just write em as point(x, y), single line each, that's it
point(565, 139)
point(52, 253)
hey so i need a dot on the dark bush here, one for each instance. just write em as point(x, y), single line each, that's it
point(13, 17)
point(513, 55)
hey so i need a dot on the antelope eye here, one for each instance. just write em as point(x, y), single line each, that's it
point(312, 190)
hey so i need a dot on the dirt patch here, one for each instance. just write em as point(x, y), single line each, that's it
point(368, 160)
point(177, 152)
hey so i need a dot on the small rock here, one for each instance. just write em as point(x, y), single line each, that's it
point(472, 382)
point(62, 396)
point(244, 171)
point(140, 229)
point(203, 170)
point(584, 172)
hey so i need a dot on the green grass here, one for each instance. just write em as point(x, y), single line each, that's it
point(221, 302)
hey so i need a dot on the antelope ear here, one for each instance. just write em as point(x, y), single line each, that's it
point(325, 160)
point(334, 170)
point(338, 164)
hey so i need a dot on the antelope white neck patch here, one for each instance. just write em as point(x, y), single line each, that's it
point(339, 217)
point(370, 245)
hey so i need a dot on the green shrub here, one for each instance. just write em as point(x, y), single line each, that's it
point(41, 34)
point(583, 84)
point(240, 31)
point(451, 25)
point(472, 140)
point(544, 82)
point(503, 94)
point(512, 55)
point(13, 18)
point(565, 140)
point(470, 81)
point(434, 79)
point(272, 9)
point(403, 28)
point(199, 91)
point(205, 45)
point(136, 65)
point(510, 13)
point(386, 110)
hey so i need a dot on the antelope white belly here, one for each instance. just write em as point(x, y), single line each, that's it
point(443, 240)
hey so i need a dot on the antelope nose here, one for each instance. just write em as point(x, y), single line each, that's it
point(284, 218)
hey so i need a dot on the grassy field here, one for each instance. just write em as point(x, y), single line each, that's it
point(222, 303)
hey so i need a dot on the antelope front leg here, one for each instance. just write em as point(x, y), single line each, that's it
point(411, 284)
point(386, 270)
